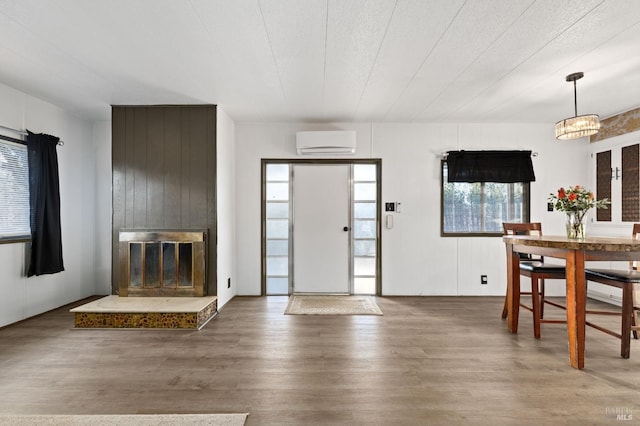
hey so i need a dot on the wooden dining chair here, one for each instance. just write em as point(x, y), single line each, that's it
point(629, 281)
point(538, 271)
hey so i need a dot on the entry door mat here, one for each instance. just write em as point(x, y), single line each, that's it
point(332, 305)
point(128, 420)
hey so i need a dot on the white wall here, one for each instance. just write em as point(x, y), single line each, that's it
point(415, 259)
point(104, 208)
point(253, 143)
point(226, 196)
point(22, 297)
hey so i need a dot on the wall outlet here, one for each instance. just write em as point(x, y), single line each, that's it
point(228, 282)
point(483, 279)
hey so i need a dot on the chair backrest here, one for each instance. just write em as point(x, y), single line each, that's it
point(530, 228)
point(634, 265)
point(635, 234)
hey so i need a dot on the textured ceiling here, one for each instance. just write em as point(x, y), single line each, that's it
point(328, 60)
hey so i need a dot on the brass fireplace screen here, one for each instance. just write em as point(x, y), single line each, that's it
point(162, 263)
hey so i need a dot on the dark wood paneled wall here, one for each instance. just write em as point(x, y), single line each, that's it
point(164, 173)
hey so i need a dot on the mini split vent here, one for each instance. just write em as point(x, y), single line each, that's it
point(336, 142)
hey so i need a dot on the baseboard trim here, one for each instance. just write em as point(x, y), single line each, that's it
point(605, 297)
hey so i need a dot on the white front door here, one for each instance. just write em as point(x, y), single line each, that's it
point(321, 199)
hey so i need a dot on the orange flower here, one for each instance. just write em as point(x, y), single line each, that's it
point(590, 196)
point(561, 193)
point(573, 196)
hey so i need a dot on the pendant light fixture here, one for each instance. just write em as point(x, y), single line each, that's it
point(579, 125)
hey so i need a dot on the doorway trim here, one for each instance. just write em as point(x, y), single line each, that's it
point(316, 161)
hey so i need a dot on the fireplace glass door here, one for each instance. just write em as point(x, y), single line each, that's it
point(162, 263)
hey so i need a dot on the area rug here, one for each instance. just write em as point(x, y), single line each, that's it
point(332, 305)
point(126, 420)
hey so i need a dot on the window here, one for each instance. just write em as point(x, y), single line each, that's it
point(277, 228)
point(14, 191)
point(479, 208)
point(365, 234)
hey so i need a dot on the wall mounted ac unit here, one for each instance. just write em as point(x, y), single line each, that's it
point(333, 142)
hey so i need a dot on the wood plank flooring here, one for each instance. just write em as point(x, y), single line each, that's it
point(428, 360)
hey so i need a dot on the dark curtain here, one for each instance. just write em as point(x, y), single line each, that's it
point(44, 197)
point(490, 166)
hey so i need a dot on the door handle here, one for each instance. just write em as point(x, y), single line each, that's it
point(345, 229)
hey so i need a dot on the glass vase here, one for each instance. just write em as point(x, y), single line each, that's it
point(576, 225)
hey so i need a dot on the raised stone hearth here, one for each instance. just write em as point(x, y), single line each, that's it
point(146, 312)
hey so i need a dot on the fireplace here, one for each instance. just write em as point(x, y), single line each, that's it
point(162, 263)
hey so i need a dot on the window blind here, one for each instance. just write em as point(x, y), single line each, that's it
point(14, 190)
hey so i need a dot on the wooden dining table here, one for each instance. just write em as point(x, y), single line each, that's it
point(575, 252)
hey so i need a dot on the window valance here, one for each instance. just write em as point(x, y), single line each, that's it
point(490, 166)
